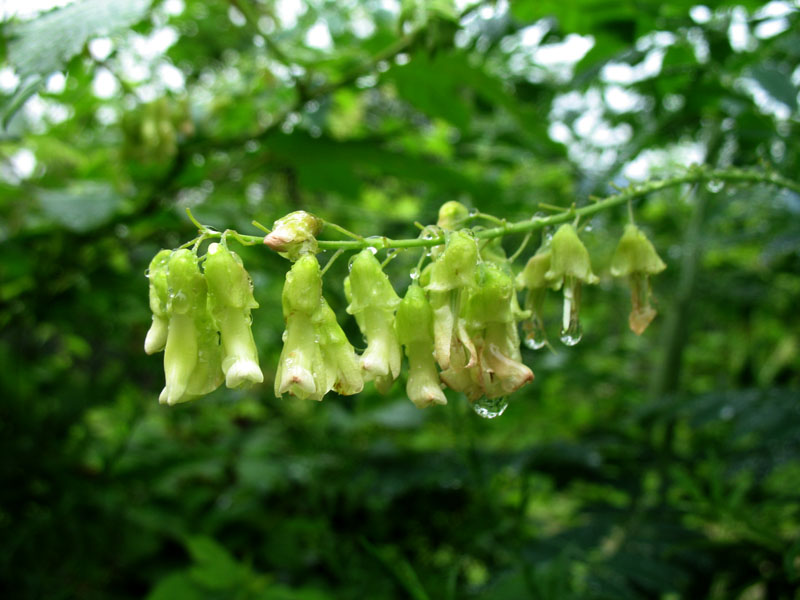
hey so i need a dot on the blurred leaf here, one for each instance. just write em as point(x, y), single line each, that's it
point(81, 206)
point(777, 84)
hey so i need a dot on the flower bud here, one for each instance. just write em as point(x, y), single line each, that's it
point(159, 296)
point(414, 325)
point(230, 298)
point(303, 288)
point(636, 259)
point(295, 235)
point(452, 215)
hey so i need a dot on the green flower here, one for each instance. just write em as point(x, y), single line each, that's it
point(302, 371)
point(373, 302)
point(445, 280)
point(532, 279)
point(230, 300)
point(339, 356)
point(156, 337)
point(636, 259)
point(489, 317)
point(569, 267)
point(452, 215)
point(414, 325)
point(192, 352)
point(295, 235)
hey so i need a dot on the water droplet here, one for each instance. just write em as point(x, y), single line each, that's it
point(572, 334)
point(489, 408)
point(587, 228)
point(535, 334)
point(474, 212)
point(414, 274)
point(714, 186)
point(147, 273)
point(372, 249)
point(534, 343)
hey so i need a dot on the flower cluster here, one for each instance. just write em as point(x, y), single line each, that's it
point(457, 323)
point(201, 320)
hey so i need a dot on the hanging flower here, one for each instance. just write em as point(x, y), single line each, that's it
point(636, 259)
point(569, 267)
point(373, 302)
point(156, 337)
point(414, 324)
point(532, 279)
point(230, 300)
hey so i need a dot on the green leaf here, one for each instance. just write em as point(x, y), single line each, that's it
point(215, 568)
point(177, 586)
point(80, 206)
point(44, 44)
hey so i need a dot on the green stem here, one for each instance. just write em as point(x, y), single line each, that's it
point(695, 175)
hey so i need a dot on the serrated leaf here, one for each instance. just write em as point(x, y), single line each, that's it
point(44, 44)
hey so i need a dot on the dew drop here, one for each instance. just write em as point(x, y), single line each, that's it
point(572, 334)
point(489, 408)
point(534, 343)
point(372, 249)
point(714, 186)
point(414, 274)
point(474, 212)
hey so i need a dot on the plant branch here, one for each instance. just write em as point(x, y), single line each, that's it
point(695, 175)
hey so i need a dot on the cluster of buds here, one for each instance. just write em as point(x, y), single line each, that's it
point(201, 320)
point(458, 321)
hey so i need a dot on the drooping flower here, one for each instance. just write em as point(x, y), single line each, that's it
point(373, 302)
point(230, 300)
point(192, 355)
point(156, 337)
point(636, 259)
point(414, 324)
point(295, 235)
point(489, 316)
point(569, 267)
point(340, 358)
point(301, 370)
point(532, 279)
point(448, 276)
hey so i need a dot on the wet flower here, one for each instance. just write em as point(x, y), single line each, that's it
point(373, 302)
point(340, 358)
point(156, 337)
point(414, 324)
point(569, 267)
point(532, 279)
point(452, 215)
point(230, 300)
point(447, 277)
point(192, 351)
point(489, 318)
point(636, 259)
point(301, 369)
point(295, 234)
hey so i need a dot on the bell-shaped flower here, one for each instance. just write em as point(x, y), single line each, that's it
point(373, 302)
point(532, 279)
point(156, 337)
point(446, 279)
point(570, 266)
point(295, 234)
point(302, 371)
point(191, 353)
point(490, 316)
point(636, 259)
point(343, 365)
point(230, 300)
point(414, 325)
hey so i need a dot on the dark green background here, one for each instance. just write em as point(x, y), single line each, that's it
point(664, 466)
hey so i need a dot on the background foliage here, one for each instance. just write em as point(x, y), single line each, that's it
point(664, 466)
